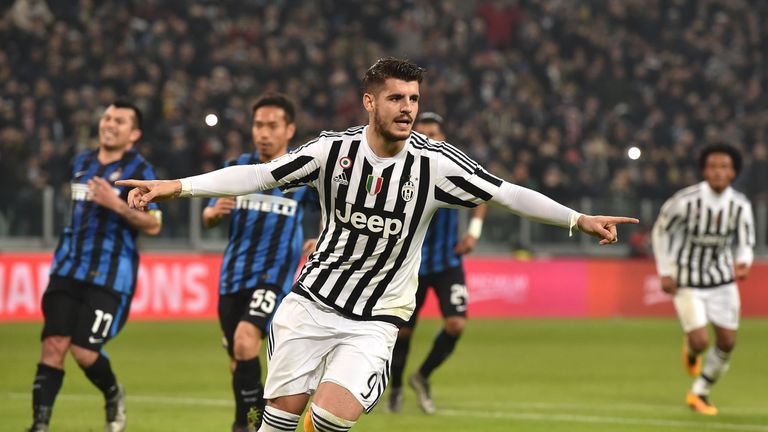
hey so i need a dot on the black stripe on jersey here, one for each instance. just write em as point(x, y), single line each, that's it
point(447, 150)
point(670, 225)
point(239, 229)
point(103, 219)
point(274, 242)
point(87, 160)
point(351, 241)
point(468, 187)
point(490, 178)
point(415, 219)
point(341, 194)
point(685, 223)
point(253, 244)
point(705, 250)
point(381, 201)
point(381, 261)
point(118, 246)
point(445, 197)
point(302, 181)
point(291, 167)
point(694, 248)
point(88, 208)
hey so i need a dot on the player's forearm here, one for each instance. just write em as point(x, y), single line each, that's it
point(211, 218)
point(149, 223)
point(230, 181)
point(660, 240)
point(745, 255)
point(534, 205)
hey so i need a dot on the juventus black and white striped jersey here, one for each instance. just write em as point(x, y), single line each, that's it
point(376, 212)
point(694, 236)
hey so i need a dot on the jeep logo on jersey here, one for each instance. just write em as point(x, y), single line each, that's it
point(267, 203)
point(373, 184)
point(371, 222)
point(407, 191)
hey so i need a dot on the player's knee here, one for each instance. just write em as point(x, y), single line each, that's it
point(54, 348)
point(726, 343)
point(83, 356)
point(247, 341)
point(454, 326)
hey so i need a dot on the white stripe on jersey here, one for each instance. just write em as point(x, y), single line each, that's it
point(695, 233)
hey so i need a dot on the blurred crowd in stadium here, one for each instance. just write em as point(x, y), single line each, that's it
point(549, 94)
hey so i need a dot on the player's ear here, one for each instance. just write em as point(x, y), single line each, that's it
point(290, 130)
point(368, 101)
point(134, 135)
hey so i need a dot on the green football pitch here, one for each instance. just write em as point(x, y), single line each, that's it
point(522, 375)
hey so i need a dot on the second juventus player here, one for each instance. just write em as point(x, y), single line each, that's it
point(379, 186)
point(692, 241)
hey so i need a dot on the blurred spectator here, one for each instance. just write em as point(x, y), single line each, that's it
point(563, 87)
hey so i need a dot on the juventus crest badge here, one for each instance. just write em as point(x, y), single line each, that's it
point(407, 191)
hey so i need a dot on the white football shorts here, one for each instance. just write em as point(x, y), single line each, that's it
point(696, 307)
point(310, 343)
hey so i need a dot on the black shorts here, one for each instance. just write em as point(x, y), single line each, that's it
point(451, 291)
point(90, 314)
point(256, 306)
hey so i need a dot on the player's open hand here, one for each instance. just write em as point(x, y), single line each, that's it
point(603, 227)
point(742, 271)
point(147, 191)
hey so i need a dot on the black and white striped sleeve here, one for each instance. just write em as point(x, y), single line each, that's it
point(301, 166)
point(670, 221)
point(462, 182)
point(745, 240)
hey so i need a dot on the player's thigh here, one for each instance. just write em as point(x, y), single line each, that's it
point(690, 307)
point(361, 363)
point(231, 309)
point(452, 293)
point(60, 305)
point(723, 306)
point(101, 316)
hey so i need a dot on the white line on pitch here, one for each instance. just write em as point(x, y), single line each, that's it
point(543, 417)
point(571, 418)
point(606, 407)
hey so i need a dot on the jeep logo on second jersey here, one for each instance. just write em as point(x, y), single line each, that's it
point(371, 222)
point(267, 203)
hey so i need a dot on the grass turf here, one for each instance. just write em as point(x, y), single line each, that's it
point(526, 375)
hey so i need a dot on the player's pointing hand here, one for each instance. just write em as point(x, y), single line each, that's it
point(603, 227)
point(147, 191)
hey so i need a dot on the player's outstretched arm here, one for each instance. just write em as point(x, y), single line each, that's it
point(147, 191)
point(603, 227)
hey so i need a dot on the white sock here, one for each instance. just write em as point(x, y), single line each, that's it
point(715, 364)
point(276, 420)
point(324, 421)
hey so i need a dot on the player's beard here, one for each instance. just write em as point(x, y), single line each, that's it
point(381, 129)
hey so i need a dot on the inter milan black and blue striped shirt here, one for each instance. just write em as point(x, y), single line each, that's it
point(265, 236)
point(437, 252)
point(99, 246)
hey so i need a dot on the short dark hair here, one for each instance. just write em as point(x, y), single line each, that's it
point(277, 100)
point(728, 149)
point(391, 67)
point(138, 118)
point(430, 117)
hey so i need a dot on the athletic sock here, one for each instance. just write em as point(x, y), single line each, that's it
point(324, 421)
point(44, 390)
point(399, 355)
point(441, 349)
point(276, 420)
point(715, 365)
point(101, 375)
point(246, 385)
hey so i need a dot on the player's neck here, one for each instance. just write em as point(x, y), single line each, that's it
point(382, 147)
point(265, 159)
point(107, 156)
